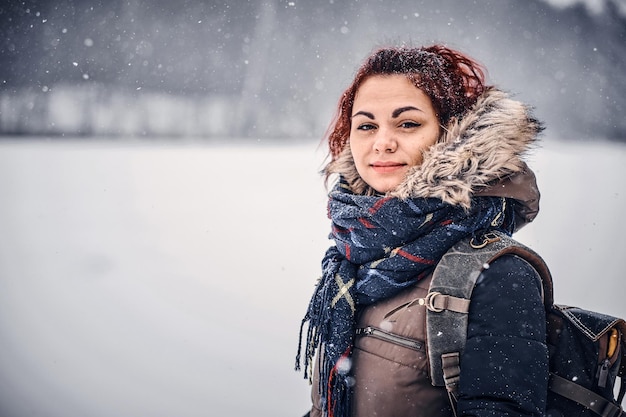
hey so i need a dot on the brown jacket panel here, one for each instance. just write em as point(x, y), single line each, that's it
point(391, 380)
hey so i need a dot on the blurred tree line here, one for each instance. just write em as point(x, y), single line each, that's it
point(275, 68)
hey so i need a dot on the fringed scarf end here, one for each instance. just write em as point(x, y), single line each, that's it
point(339, 387)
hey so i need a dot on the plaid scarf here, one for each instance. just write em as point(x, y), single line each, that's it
point(382, 246)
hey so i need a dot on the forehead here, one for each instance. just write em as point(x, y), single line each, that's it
point(380, 89)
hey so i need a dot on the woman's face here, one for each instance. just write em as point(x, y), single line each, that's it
point(393, 122)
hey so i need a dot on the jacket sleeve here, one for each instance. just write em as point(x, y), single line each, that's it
point(504, 368)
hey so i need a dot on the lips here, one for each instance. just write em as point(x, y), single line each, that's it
point(386, 166)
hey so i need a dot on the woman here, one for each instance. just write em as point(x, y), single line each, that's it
point(426, 155)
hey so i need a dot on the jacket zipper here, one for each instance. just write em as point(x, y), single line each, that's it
point(390, 337)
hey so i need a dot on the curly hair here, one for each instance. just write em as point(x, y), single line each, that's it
point(452, 80)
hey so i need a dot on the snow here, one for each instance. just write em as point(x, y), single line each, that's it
point(170, 278)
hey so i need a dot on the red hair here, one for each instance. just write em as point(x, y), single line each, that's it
point(452, 80)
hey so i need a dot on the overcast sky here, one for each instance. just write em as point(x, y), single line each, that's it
point(595, 6)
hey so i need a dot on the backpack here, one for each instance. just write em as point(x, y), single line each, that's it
point(587, 349)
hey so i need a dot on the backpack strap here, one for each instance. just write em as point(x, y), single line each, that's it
point(450, 293)
point(581, 395)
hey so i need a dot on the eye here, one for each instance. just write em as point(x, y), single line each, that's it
point(366, 126)
point(410, 125)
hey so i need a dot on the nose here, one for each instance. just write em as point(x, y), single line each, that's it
point(385, 142)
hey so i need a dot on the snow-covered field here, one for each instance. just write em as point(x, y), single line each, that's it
point(169, 279)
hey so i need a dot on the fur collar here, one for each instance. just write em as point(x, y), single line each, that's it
point(485, 147)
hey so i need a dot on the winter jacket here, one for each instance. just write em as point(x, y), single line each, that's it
point(504, 367)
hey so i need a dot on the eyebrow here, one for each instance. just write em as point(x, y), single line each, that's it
point(396, 113)
point(364, 113)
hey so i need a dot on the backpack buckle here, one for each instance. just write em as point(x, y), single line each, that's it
point(486, 239)
point(429, 302)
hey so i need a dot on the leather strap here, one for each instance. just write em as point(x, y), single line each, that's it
point(584, 397)
point(451, 370)
point(436, 301)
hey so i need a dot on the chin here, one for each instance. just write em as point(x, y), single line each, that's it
point(385, 187)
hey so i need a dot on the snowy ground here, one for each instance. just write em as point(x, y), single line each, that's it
point(170, 279)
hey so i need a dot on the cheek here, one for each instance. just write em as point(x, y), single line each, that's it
point(424, 146)
point(356, 151)
point(430, 140)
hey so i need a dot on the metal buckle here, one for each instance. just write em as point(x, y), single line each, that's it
point(487, 238)
point(429, 302)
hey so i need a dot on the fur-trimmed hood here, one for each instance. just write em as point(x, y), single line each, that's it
point(480, 154)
